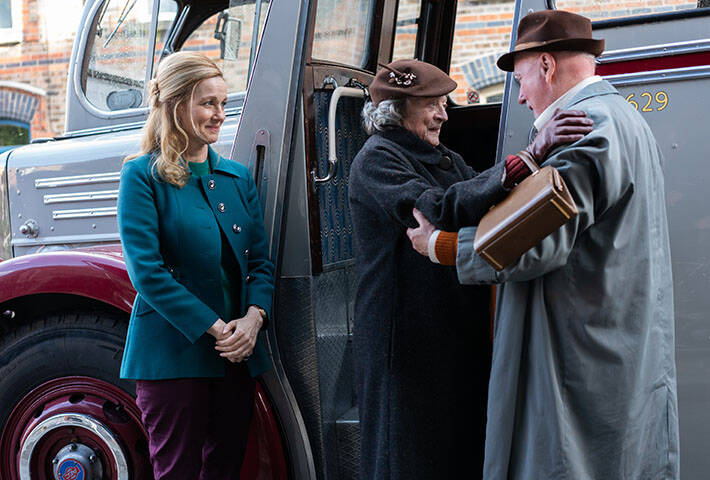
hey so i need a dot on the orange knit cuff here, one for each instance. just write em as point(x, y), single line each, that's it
point(446, 246)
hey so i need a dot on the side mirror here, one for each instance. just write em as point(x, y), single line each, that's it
point(123, 99)
point(229, 32)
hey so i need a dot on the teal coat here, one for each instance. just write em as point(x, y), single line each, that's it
point(172, 249)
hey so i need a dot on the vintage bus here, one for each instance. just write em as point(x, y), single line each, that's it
point(65, 296)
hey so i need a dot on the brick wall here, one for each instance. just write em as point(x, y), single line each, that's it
point(40, 64)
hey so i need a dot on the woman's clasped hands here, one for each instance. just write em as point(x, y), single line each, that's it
point(236, 339)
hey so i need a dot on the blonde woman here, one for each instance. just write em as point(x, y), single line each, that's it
point(196, 251)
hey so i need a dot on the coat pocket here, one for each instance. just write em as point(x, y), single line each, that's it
point(141, 307)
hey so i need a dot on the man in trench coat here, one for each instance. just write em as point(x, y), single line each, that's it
point(583, 381)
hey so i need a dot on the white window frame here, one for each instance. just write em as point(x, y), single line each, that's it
point(14, 33)
point(490, 91)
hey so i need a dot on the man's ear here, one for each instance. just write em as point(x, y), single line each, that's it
point(548, 66)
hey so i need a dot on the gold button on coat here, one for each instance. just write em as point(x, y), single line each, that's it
point(210, 184)
point(236, 228)
point(221, 207)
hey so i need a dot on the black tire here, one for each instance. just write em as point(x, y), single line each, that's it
point(79, 352)
point(58, 345)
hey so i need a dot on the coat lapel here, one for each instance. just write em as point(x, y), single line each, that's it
point(228, 205)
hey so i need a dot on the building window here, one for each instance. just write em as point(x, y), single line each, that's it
point(342, 32)
point(405, 36)
point(13, 133)
point(10, 21)
point(5, 14)
point(482, 34)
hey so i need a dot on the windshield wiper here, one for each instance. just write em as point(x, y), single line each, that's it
point(124, 13)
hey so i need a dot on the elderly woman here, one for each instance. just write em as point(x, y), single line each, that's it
point(196, 251)
point(422, 346)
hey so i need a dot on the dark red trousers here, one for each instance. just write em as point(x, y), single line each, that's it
point(197, 427)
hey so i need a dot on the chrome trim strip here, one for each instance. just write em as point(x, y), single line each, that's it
point(81, 197)
point(658, 76)
point(90, 239)
point(77, 180)
point(121, 127)
point(649, 18)
point(237, 110)
point(72, 420)
point(84, 213)
point(654, 51)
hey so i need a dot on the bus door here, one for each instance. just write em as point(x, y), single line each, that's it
point(269, 141)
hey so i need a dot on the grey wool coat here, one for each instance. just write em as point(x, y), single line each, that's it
point(583, 381)
point(421, 340)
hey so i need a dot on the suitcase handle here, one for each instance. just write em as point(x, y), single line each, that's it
point(528, 159)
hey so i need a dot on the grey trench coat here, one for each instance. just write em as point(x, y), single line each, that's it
point(421, 340)
point(583, 381)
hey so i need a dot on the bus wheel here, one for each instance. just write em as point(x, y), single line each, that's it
point(65, 412)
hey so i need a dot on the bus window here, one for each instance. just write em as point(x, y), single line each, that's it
point(241, 29)
point(114, 78)
point(482, 34)
point(607, 9)
point(405, 36)
point(342, 31)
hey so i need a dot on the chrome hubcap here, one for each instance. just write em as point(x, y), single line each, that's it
point(75, 461)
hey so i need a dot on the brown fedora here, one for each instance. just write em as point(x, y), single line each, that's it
point(552, 30)
point(413, 78)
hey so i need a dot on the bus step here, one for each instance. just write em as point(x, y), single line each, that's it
point(348, 433)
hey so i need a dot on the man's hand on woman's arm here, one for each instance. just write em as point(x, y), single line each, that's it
point(565, 127)
point(440, 246)
point(420, 236)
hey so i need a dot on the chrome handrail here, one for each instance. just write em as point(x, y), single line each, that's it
point(332, 110)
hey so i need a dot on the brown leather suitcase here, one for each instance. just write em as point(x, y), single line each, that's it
point(535, 208)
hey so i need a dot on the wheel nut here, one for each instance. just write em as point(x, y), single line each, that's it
point(92, 458)
point(72, 446)
point(55, 461)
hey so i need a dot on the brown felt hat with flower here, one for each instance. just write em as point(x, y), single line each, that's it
point(552, 30)
point(414, 78)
